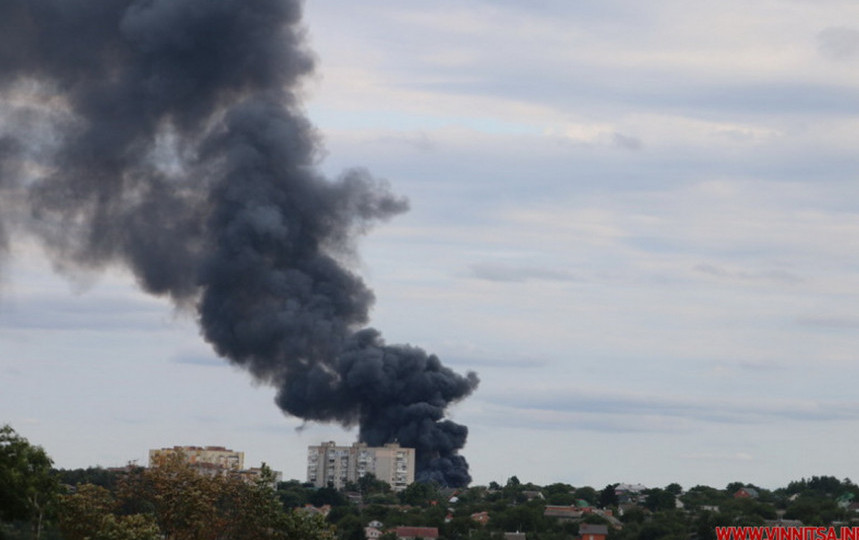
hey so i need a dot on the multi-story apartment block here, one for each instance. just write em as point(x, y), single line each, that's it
point(329, 464)
point(207, 459)
point(217, 460)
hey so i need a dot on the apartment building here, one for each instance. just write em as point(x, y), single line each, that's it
point(329, 464)
point(207, 459)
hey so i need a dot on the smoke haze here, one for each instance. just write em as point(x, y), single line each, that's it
point(167, 136)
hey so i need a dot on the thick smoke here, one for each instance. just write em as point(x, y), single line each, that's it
point(166, 135)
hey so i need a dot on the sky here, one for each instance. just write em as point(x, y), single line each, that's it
point(638, 222)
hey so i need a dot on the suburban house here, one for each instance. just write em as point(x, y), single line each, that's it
point(415, 533)
point(317, 510)
point(746, 493)
point(629, 493)
point(531, 495)
point(563, 512)
point(588, 531)
point(480, 517)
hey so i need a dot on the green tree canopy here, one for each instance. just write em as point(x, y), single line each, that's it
point(659, 499)
point(608, 497)
point(88, 514)
point(674, 488)
point(173, 500)
point(27, 486)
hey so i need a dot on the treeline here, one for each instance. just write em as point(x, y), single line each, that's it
point(174, 501)
point(171, 501)
point(659, 513)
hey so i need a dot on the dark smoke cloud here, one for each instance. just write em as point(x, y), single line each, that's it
point(166, 136)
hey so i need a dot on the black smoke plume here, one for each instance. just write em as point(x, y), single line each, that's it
point(167, 136)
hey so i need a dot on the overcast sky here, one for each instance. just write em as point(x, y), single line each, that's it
point(637, 221)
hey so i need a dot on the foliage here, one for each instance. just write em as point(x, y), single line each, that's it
point(293, 494)
point(527, 517)
point(370, 485)
point(420, 494)
point(302, 526)
point(27, 486)
point(699, 496)
point(674, 488)
point(327, 495)
point(753, 510)
point(587, 494)
point(815, 511)
point(733, 487)
point(821, 486)
point(560, 494)
point(91, 475)
point(175, 501)
point(608, 497)
point(88, 514)
point(633, 515)
point(659, 499)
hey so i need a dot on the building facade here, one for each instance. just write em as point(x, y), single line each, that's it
point(329, 464)
point(206, 459)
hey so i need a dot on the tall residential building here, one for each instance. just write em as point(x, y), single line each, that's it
point(207, 459)
point(329, 464)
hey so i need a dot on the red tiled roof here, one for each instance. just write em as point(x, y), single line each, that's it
point(562, 511)
point(417, 532)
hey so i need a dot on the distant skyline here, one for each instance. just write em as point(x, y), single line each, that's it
point(637, 222)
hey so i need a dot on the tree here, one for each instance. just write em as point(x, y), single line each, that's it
point(188, 505)
point(419, 493)
point(88, 514)
point(328, 495)
point(185, 502)
point(733, 487)
point(674, 488)
point(349, 526)
point(560, 494)
point(608, 496)
point(704, 496)
point(369, 485)
point(659, 499)
point(299, 525)
point(588, 494)
point(293, 494)
point(521, 518)
point(91, 475)
point(27, 487)
point(815, 511)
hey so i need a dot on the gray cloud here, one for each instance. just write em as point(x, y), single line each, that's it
point(838, 42)
point(419, 141)
point(776, 276)
point(831, 323)
point(714, 456)
point(516, 363)
point(92, 313)
point(518, 274)
point(198, 360)
point(627, 142)
point(627, 411)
